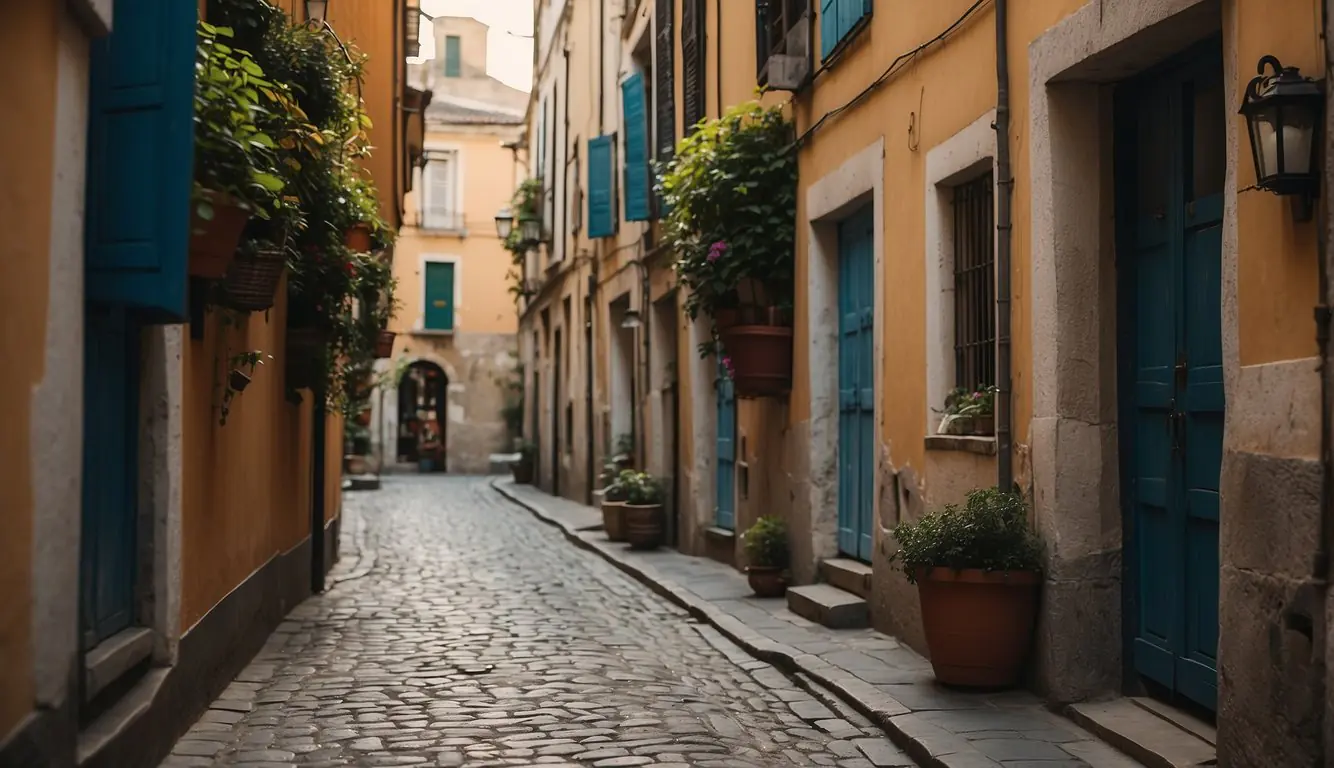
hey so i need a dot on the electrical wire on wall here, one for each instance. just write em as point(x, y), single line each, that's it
point(895, 66)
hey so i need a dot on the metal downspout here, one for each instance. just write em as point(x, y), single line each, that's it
point(1004, 225)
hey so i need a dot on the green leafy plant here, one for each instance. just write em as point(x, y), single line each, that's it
point(990, 532)
point(731, 192)
point(962, 401)
point(766, 543)
point(240, 115)
point(526, 203)
point(619, 489)
point(642, 489)
point(527, 449)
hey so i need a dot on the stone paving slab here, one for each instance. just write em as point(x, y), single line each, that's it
point(881, 678)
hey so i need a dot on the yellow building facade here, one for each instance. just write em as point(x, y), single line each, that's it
point(454, 355)
point(896, 113)
point(228, 527)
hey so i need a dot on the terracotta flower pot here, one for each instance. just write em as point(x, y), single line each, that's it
point(643, 525)
point(384, 344)
point(213, 241)
point(358, 238)
point(522, 471)
point(983, 425)
point(766, 580)
point(761, 359)
point(363, 418)
point(613, 519)
point(252, 279)
point(979, 624)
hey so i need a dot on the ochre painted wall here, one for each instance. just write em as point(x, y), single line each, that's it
point(28, 31)
point(246, 488)
point(485, 305)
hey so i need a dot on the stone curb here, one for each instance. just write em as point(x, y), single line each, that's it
point(929, 744)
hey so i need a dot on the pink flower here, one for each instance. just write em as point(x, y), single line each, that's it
point(727, 364)
point(716, 251)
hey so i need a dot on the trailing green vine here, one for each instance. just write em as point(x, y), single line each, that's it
point(526, 204)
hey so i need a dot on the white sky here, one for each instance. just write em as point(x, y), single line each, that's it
point(509, 59)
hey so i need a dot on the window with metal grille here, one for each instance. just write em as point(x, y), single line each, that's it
point(974, 284)
point(692, 61)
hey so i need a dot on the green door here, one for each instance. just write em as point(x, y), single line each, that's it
point(439, 279)
point(1171, 165)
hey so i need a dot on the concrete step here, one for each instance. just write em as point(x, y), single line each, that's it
point(1144, 735)
point(848, 575)
point(829, 606)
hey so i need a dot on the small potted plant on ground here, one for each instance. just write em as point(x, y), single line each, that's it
point(614, 497)
point(766, 555)
point(969, 412)
point(977, 569)
point(523, 468)
point(644, 522)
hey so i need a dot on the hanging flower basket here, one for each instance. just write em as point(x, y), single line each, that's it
point(252, 279)
point(358, 238)
point(384, 344)
point(213, 241)
point(759, 357)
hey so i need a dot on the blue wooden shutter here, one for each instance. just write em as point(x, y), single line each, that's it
point(829, 26)
point(141, 158)
point(635, 117)
point(453, 67)
point(601, 210)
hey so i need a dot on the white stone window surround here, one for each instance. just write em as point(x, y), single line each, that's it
point(859, 181)
point(960, 158)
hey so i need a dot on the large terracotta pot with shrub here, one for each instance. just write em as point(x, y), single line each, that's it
point(524, 469)
point(978, 571)
point(613, 519)
point(645, 524)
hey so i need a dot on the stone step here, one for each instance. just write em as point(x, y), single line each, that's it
point(828, 606)
point(848, 575)
point(1153, 740)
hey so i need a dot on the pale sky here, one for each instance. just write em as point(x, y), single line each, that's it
point(509, 59)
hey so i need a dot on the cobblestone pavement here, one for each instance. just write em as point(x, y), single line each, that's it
point(474, 635)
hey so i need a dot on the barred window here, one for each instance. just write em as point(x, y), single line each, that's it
point(974, 284)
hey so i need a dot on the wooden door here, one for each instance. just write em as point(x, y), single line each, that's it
point(856, 383)
point(438, 314)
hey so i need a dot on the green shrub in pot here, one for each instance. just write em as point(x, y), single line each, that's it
point(766, 556)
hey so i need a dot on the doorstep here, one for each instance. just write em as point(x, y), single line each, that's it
point(884, 680)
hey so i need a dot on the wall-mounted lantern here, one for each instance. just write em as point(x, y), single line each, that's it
point(317, 11)
point(412, 28)
point(631, 320)
point(504, 223)
point(530, 227)
point(1283, 110)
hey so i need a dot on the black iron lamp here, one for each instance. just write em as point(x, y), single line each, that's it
point(530, 227)
point(631, 320)
point(317, 10)
point(504, 223)
point(1283, 110)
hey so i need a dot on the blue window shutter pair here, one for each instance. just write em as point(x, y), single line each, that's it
point(141, 159)
point(601, 201)
point(637, 177)
point(837, 19)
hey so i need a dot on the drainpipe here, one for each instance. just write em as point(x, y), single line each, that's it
point(1004, 187)
point(590, 303)
point(317, 479)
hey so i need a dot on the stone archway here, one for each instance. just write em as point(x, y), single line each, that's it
point(422, 425)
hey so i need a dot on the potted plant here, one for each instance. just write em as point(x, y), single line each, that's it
point(766, 556)
point(969, 412)
point(644, 523)
point(524, 467)
point(731, 193)
point(384, 344)
point(614, 498)
point(237, 173)
point(253, 275)
point(977, 569)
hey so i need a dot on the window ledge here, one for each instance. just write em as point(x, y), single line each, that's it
point(982, 445)
point(714, 533)
point(431, 332)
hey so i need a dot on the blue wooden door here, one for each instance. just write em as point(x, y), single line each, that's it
point(111, 394)
point(438, 314)
point(856, 383)
point(725, 509)
point(1171, 185)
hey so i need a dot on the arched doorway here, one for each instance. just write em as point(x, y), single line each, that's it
point(422, 417)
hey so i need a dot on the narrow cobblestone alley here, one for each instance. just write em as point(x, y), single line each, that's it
point(469, 633)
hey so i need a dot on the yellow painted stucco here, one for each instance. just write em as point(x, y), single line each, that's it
point(29, 32)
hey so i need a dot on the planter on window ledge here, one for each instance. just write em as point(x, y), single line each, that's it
point(358, 238)
point(384, 344)
point(760, 354)
point(252, 278)
point(213, 241)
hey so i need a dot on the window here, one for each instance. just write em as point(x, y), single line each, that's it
point(453, 56)
point(974, 284)
point(438, 281)
point(602, 219)
point(774, 19)
point(634, 116)
point(442, 207)
point(838, 20)
point(692, 61)
point(664, 89)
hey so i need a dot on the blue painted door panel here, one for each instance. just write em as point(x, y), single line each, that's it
point(1173, 347)
point(856, 384)
point(140, 158)
point(111, 395)
point(725, 514)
